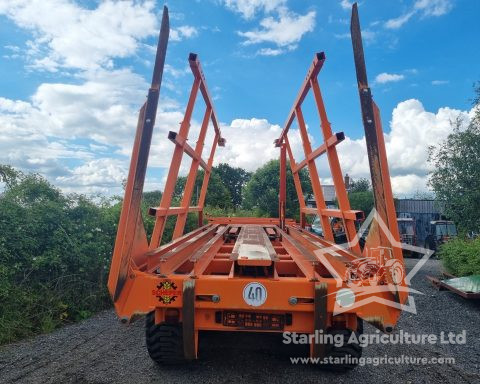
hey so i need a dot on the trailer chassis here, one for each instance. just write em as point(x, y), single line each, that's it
point(252, 274)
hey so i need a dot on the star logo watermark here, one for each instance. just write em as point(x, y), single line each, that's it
point(379, 271)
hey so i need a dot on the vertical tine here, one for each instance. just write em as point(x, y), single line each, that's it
point(369, 123)
point(377, 158)
point(131, 214)
point(358, 55)
point(161, 50)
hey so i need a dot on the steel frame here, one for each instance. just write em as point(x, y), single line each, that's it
point(329, 147)
point(206, 271)
point(442, 285)
point(180, 140)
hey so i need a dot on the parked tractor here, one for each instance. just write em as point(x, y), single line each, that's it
point(440, 231)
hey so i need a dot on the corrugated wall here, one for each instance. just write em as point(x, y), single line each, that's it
point(422, 211)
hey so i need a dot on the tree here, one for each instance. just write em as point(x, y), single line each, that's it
point(423, 195)
point(361, 185)
point(362, 201)
point(9, 175)
point(235, 179)
point(361, 195)
point(456, 172)
point(261, 191)
point(218, 194)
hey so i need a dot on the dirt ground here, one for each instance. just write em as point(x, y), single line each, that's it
point(101, 350)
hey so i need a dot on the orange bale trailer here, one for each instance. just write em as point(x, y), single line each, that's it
point(257, 274)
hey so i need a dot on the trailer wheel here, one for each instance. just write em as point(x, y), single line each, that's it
point(345, 353)
point(164, 341)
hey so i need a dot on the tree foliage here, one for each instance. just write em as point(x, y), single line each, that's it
point(8, 175)
point(456, 173)
point(54, 256)
point(235, 179)
point(261, 191)
point(360, 185)
point(218, 194)
point(361, 195)
point(362, 201)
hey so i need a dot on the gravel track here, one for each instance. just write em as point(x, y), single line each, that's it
point(101, 350)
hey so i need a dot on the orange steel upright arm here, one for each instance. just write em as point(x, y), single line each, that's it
point(282, 196)
point(181, 146)
point(347, 215)
point(131, 241)
point(297, 183)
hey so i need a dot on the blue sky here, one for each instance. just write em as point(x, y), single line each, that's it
point(75, 73)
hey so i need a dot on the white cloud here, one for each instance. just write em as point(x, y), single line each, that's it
point(270, 52)
point(367, 35)
point(105, 103)
point(398, 21)
point(433, 7)
point(242, 151)
point(275, 51)
point(287, 30)
point(248, 8)
point(425, 8)
point(385, 77)
point(412, 131)
point(99, 175)
point(409, 184)
point(175, 72)
point(183, 32)
point(41, 135)
point(439, 82)
point(80, 135)
point(346, 4)
point(68, 35)
point(23, 143)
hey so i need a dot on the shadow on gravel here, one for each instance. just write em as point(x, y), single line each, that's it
point(251, 355)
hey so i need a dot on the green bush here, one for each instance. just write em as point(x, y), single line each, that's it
point(461, 257)
point(54, 256)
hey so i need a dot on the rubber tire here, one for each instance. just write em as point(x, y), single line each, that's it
point(354, 350)
point(164, 341)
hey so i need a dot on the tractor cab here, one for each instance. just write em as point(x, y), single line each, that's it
point(440, 232)
point(406, 228)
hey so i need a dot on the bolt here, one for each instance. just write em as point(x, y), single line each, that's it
point(293, 300)
point(215, 298)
